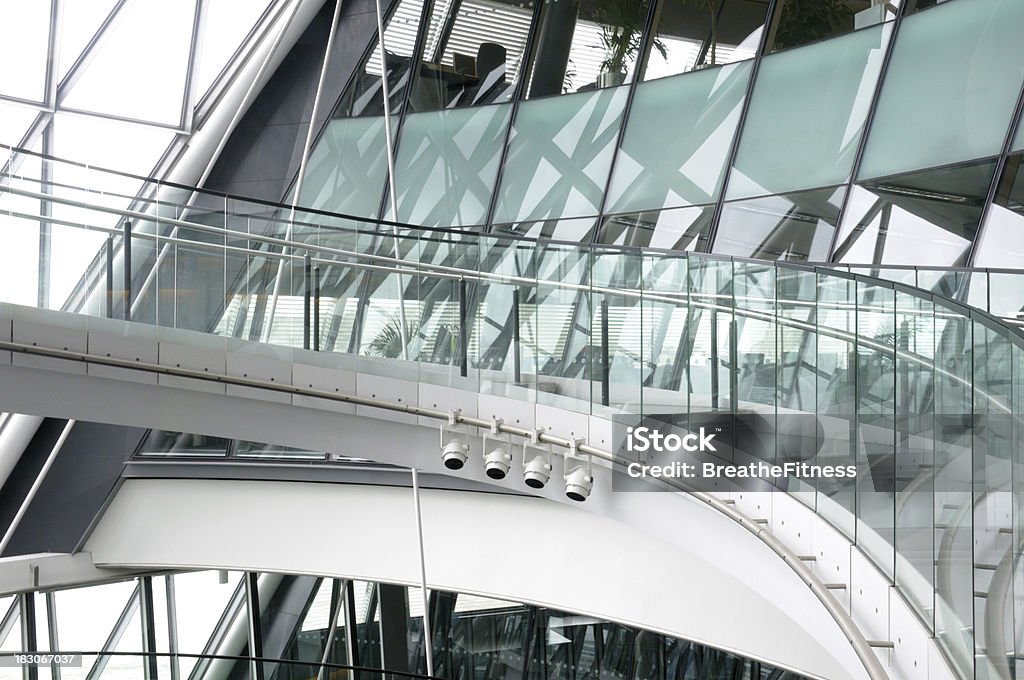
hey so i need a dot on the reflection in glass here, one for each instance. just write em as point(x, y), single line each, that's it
point(677, 140)
point(807, 114)
point(950, 88)
point(1001, 243)
point(559, 155)
point(447, 164)
point(473, 53)
point(577, 231)
point(787, 227)
point(805, 21)
point(364, 94)
point(928, 218)
point(602, 52)
point(692, 34)
point(347, 168)
point(680, 229)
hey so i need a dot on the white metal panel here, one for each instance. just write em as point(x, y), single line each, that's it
point(323, 378)
point(258, 361)
point(514, 547)
point(65, 332)
point(202, 355)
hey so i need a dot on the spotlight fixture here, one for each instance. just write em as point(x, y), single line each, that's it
point(537, 472)
point(536, 467)
point(498, 461)
point(454, 449)
point(579, 481)
point(455, 454)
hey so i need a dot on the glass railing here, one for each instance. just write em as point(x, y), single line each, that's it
point(921, 394)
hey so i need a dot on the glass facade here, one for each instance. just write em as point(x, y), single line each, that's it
point(674, 104)
point(870, 145)
point(203, 624)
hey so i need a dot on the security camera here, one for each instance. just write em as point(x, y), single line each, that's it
point(578, 484)
point(497, 462)
point(537, 472)
point(455, 454)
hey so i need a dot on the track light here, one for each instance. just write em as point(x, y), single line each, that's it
point(498, 461)
point(454, 450)
point(537, 472)
point(455, 454)
point(578, 484)
point(536, 467)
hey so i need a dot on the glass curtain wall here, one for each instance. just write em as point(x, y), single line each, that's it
point(202, 625)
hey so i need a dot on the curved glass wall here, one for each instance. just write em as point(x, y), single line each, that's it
point(202, 625)
point(677, 140)
point(508, 119)
point(447, 165)
point(957, 59)
point(806, 115)
point(560, 152)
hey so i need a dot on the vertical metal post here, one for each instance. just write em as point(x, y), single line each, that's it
point(428, 638)
point(337, 605)
point(734, 369)
point(172, 625)
point(126, 252)
point(51, 626)
point(148, 627)
point(463, 331)
point(45, 228)
point(29, 643)
point(316, 308)
point(307, 290)
point(605, 364)
point(389, 142)
point(252, 592)
point(351, 624)
point(714, 358)
point(110, 277)
point(517, 348)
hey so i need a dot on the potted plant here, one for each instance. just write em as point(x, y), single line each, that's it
point(622, 23)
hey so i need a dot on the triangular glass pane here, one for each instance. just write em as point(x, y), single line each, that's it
point(10, 625)
point(25, 35)
point(79, 23)
point(14, 122)
point(100, 143)
point(139, 69)
point(225, 26)
point(86, 616)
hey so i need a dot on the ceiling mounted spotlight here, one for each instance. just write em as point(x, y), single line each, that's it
point(536, 467)
point(455, 454)
point(498, 461)
point(454, 449)
point(579, 481)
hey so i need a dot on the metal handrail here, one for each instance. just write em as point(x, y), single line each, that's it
point(842, 618)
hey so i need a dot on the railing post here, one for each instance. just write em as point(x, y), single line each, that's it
point(307, 265)
point(517, 359)
point(463, 331)
point(734, 368)
point(126, 251)
point(110, 277)
point(605, 367)
point(316, 308)
point(714, 359)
